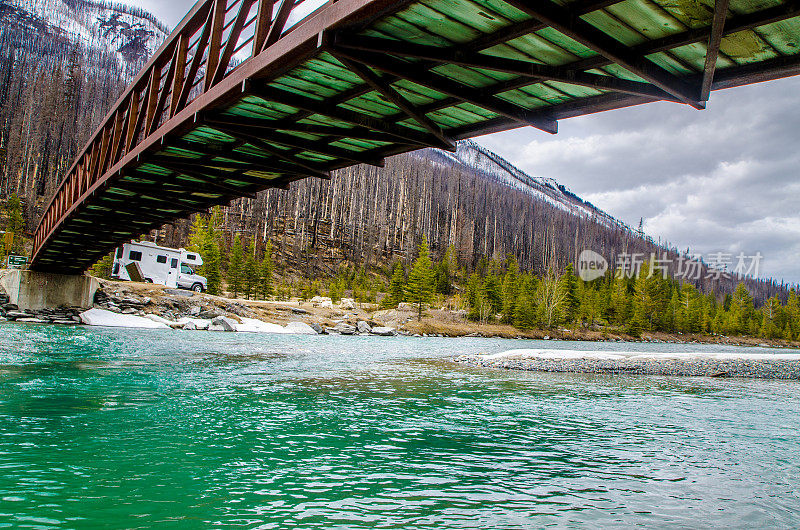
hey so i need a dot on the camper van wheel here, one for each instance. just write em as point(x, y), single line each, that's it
point(198, 288)
point(148, 280)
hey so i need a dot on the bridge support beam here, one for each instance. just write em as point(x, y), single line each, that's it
point(40, 290)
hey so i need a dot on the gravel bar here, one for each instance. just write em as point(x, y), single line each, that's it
point(694, 366)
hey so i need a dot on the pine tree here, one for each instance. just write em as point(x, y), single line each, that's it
point(420, 280)
point(397, 288)
point(493, 292)
point(510, 291)
point(235, 265)
point(525, 317)
point(650, 300)
point(267, 271)
point(741, 311)
point(444, 273)
point(204, 240)
point(251, 271)
point(198, 235)
point(212, 259)
point(102, 269)
point(572, 302)
point(15, 226)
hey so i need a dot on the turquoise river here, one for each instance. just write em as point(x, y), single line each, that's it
point(103, 428)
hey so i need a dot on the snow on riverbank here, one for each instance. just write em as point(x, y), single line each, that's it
point(550, 354)
point(696, 364)
point(103, 318)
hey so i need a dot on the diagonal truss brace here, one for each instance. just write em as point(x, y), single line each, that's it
point(562, 20)
point(395, 97)
point(714, 42)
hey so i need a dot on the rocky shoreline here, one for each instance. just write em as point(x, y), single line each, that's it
point(755, 366)
point(131, 306)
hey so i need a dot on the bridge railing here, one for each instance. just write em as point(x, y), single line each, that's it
point(214, 39)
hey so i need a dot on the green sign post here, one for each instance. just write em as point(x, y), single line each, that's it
point(17, 262)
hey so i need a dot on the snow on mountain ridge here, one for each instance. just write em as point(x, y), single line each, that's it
point(131, 33)
point(477, 158)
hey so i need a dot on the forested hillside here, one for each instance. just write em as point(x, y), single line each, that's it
point(62, 65)
point(64, 62)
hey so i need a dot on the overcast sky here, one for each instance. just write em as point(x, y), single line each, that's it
point(724, 179)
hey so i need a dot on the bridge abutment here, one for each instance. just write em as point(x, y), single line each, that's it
point(41, 290)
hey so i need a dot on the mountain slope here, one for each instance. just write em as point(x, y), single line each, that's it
point(131, 34)
point(63, 64)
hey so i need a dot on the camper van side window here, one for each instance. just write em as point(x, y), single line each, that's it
point(191, 257)
point(161, 259)
point(174, 264)
point(135, 255)
point(119, 253)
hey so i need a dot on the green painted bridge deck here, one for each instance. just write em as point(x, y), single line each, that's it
point(252, 94)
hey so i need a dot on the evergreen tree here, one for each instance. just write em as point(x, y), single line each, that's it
point(213, 258)
point(235, 265)
point(650, 300)
point(14, 243)
point(198, 235)
point(267, 271)
point(444, 273)
point(397, 288)
point(741, 311)
point(510, 291)
point(336, 290)
point(572, 301)
point(420, 279)
point(251, 271)
point(102, 269)
point(204, 240)
point(493, 292)
point(525, 317)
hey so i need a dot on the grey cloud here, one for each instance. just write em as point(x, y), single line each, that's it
point(722, 179)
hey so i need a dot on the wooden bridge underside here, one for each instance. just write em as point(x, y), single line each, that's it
point(247, 95)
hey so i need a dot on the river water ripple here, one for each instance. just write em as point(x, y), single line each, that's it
point(140, 429)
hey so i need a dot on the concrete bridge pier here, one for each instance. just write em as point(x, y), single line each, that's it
point(40, 290)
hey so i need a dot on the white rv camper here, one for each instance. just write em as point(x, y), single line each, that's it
point(143, 261)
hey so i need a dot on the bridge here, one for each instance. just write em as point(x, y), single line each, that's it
point(247, 95)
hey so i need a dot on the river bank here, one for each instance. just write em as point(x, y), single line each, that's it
point(187, 310)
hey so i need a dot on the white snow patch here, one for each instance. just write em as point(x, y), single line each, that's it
point(251, 325)
point(640, 355)
point(101, 317)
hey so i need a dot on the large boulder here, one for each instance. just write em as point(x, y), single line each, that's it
point(344, 329)
point(384, 332)
point(223, 324)
point(364, 327)
point(347, 304)
point(300, 328)
point(101, 317)
point(195, 324)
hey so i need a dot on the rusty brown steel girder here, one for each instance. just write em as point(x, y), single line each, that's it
point(142, 117)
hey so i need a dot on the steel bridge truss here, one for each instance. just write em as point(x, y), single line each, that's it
point(247, 95)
